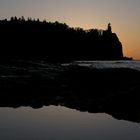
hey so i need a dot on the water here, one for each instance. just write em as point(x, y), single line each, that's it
point(60, 123)
point(23, 69)
point(108, 64)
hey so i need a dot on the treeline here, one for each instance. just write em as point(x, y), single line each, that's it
point(56, 42)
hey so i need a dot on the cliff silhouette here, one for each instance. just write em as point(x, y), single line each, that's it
point(56, 42)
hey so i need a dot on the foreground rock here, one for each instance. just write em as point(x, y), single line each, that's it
point(113, 91)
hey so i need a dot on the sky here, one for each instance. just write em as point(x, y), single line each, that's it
point(122, 14)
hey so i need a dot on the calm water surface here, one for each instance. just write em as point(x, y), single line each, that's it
point(60, 123)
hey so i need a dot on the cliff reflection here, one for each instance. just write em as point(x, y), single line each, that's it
point(85, 104)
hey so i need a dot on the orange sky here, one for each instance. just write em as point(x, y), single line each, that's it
point(123, 14)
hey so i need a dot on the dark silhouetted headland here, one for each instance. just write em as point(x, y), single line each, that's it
point(56, 42)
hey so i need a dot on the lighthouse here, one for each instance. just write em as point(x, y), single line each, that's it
point(109, 28)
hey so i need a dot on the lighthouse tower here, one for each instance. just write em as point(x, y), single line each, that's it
point(109, 28)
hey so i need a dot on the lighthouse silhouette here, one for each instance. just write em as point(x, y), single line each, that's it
point(109, 28)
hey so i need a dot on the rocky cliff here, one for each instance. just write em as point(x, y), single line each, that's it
point(56, 42)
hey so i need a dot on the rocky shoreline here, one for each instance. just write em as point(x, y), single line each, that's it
point(113, 91)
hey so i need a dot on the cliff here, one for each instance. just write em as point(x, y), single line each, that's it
point(56, 42)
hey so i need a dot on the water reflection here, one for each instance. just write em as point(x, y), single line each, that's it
point(60, 123)
point(112, 106)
